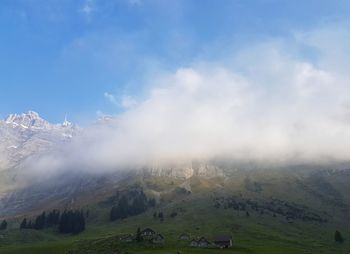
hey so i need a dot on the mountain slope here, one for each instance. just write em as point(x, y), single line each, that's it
point(268, 211)
point(267, 208)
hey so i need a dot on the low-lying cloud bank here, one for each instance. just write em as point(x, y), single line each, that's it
point(282, 100)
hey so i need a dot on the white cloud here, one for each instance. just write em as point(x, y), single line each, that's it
point(111, 98)
point(263, 103)
point(88, 8)
point(125, 102)
point(101, 115)
point(128, 102)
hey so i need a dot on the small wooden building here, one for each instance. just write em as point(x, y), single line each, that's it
point(148, 232)
point(184, 237)
point(223, 241)
point(203, 243)
point(158, 239)
point(194, 243)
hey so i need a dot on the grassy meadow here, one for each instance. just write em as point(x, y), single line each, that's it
point(197, 216)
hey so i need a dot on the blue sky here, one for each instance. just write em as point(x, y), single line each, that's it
point(83, 57)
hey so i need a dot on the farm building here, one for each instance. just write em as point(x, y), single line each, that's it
point(201, 243)
point(223, 241)
point(158, 239)
point(184, 237)
point(148, 232)
point(194, 243)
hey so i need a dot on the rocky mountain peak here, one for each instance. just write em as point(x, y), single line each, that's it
point(26, 134)
point(66, 123)
point(30, 119)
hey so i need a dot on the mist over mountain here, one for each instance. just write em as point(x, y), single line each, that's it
point(296, 113)
point(184, 127)
point(258, 109)
point(269, 103)
point(67, 161)
point(259, 104)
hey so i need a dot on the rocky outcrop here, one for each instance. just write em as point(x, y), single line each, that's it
point(186, 169)
point(23, 135)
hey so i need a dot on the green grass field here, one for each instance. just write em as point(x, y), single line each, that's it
point(254, 234)
point(197, 216)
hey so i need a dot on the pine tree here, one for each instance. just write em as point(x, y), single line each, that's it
point(63, 226)
point(114, 213)
point(40, 221)
point(52, 218)
point(3, 225)
point(161, 216)
point(78, 222)
point(338, 237)
point(56, 218)
point(23, 224)
point(123, 208)
point(173, 214)
point(138, 205)
point(30, 224)
point(130, 205)
point(138, 235)
point(152, 202)
point(72, 222)
point(82, 221)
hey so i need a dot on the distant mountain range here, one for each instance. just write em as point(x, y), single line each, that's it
point(27, 135)
point(23, 135)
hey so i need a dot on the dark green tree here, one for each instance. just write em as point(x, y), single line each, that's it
point(53, 218)
point(78, 222)
point(173, 214)
point(138, 235)
point(114, 213)
point(152, 202)
point(3, 225)
point(72, 222)
point(338, 237)
point(123, 207)
point(40, 221)
point(138, 205)
point(130, 204)
point(161, 216)
point(23, 224)
point(30, 224)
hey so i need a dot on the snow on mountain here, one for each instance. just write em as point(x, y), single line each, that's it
point(23, 135)
point(27, 134)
